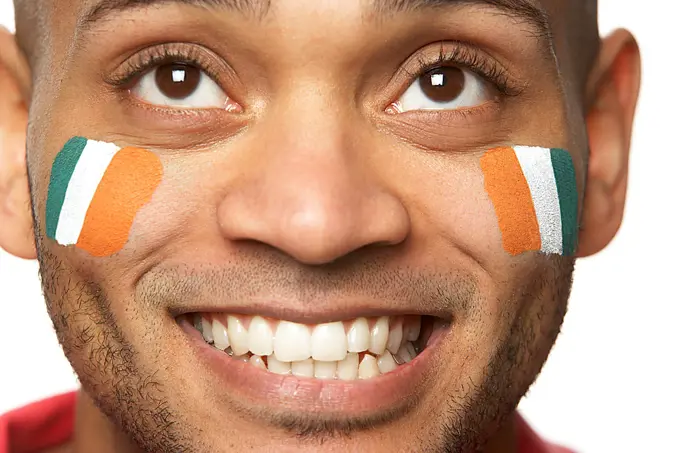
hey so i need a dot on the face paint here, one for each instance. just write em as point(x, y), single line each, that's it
point(95, 192)
point(533, 191)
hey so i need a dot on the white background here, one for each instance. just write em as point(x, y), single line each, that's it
point(611, 383)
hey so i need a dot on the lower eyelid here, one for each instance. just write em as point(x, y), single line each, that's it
point(489, 107)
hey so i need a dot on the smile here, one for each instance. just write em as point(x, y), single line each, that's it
point(363, 348)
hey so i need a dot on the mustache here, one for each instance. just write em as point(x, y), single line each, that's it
point(270, 278)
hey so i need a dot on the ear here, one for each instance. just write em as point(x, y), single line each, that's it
point(16, 230)
point(613, 89)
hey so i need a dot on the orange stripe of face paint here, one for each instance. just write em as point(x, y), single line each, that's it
point(511, 197)
point(128, 184)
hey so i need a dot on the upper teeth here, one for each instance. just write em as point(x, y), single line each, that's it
point(287, 341)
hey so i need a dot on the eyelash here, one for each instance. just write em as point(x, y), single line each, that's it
point(460, 55)
point(150, 58)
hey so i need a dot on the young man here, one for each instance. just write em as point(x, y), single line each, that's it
point(306, 226)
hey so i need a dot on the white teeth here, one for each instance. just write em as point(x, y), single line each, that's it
point(303, 368)
point(404, 353)
point(257, 361)
point(219, 334)
point(379, 334)
point(260, 337)
point(349, 368)
point(394, 338)
point(324, 370)
point(413, 329)
point(292, 342)
point(238, 335)
point(358, 336)
point(329, 342)
point(368, 368)
point(324, 351)
point(386, 363)
point(206, 329)
point(276, 366)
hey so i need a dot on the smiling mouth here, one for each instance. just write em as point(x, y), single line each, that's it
point(357, 349)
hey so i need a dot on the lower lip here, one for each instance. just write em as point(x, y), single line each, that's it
point(390, 391)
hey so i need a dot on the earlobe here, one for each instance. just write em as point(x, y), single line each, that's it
point(613, 86)
point(16, 232)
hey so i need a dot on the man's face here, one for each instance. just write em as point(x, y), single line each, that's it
point(321, 164)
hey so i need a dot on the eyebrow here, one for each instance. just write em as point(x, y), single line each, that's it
point(104, 8)
point(523, 10)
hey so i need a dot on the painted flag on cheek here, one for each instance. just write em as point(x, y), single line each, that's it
point(95, 192)
point(534, 194)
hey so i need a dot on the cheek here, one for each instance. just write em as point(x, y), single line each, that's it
point(96, 190)
point(534, 195)
point(182, 217)
point(459, 211)
point(499, 208)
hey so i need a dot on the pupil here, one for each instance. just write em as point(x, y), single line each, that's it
point(177, 80)
point(442, 84)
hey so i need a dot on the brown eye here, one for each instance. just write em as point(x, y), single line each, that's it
point(443, 84)
point(445, 88)
point(181, 85)
point(177, 80)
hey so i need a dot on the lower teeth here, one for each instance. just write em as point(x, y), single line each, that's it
point(365, 364)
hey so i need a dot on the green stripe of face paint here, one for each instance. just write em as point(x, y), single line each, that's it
point(565, 177)
point(62, 170)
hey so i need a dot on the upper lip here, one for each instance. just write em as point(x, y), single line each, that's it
point(309, 314)
point(280, 289)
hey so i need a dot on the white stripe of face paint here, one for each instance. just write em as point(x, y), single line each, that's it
point(86, 177)
point(538, 170)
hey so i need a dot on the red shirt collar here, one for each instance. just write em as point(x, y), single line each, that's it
point(49, 423)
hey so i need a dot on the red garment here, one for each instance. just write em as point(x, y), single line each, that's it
point(49, 424)
point(38, 426)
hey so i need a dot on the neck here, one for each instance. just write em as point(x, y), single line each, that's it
point(95, 432)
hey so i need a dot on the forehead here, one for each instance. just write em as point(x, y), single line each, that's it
point(535, 12)
point(71, 19)
point(264, 6)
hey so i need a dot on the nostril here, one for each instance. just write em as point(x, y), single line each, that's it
point(322, 213)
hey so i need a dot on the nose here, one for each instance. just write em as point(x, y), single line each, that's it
point(309, 188)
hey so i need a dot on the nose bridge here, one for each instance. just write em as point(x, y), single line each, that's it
point(311, 168)
point(309, 192)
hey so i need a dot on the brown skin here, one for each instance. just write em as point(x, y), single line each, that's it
point(315, 198)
